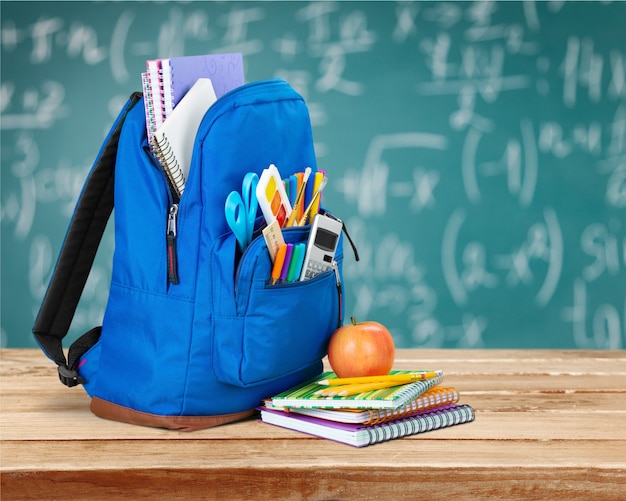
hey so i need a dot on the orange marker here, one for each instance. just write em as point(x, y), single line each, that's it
point(278, 262)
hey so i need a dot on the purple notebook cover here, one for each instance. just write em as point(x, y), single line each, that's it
point(353, 427)
point(224, 70)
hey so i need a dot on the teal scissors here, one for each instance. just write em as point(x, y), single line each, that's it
point(241, 209)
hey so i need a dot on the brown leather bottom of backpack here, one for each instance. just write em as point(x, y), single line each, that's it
point(115, 412)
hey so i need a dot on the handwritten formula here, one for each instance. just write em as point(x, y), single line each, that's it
point(476, 151)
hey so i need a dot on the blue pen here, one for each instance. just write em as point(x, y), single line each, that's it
point(308, 195)
point(293, 189)
point(285, 270)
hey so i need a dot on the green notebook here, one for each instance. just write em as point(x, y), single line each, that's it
point(304, 395)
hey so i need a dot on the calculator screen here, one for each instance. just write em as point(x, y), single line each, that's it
point(325, 239)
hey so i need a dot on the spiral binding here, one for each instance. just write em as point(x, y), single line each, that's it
point(434, 397)
point(161, 94)
point(155, 84)
point(167, 90)
point(442, 417)
point(165, 155)
point(149, 107)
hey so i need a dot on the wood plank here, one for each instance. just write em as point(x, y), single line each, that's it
point(509, 401)
point(21, 370)
point(15, 403)
point(353, 484)
point(607, 383)
point(549, 425)
point(312, 453)
point(51, 392)
point(489, 469)
point(534, 425)
point(32, 362)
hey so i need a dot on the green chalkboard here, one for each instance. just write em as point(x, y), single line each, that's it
point(476, 151)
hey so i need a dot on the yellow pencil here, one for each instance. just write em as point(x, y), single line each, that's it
point(354, 389)
point(319, 182)
point(313, 207)
point(398, 378)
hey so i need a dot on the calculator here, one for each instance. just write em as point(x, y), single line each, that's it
point(321, 247)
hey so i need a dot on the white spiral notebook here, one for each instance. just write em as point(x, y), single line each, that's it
point(173, 141)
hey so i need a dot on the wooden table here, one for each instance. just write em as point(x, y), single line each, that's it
point(549, 425)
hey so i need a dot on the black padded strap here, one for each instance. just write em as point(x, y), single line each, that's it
point(78, 252)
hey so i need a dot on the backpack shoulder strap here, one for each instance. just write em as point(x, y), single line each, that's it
point(93, 208)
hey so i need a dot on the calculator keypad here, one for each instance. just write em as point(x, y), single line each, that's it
point(315, 268)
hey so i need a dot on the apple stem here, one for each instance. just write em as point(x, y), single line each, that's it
point(353, 320)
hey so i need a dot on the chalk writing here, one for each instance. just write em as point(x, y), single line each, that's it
point(476, 151)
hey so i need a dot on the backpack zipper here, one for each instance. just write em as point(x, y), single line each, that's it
point(171, 226)
point(339, 292)
point(172, 259)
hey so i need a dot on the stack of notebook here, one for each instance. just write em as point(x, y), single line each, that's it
point(367, 415)
point(166, 81)
point(177, 93)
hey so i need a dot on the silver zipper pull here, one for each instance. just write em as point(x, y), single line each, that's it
point(171, 220)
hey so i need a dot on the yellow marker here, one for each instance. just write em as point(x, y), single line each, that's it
point(398, 378)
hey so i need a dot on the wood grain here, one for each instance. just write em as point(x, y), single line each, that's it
point(549, 425)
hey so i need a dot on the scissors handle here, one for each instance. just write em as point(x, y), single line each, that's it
point(241, 209)
point(250, 201)
point(235, 217)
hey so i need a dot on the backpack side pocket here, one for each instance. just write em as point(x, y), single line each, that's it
point(270, 331)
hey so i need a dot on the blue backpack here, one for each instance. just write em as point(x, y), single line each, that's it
point(207, 349)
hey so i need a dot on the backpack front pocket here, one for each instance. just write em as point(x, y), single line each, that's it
point(266, 331)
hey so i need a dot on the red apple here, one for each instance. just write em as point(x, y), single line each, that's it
point(361, 349)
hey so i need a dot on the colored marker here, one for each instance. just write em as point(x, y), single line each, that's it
point(295, 257)
point(278, 262)
point(285, 270)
